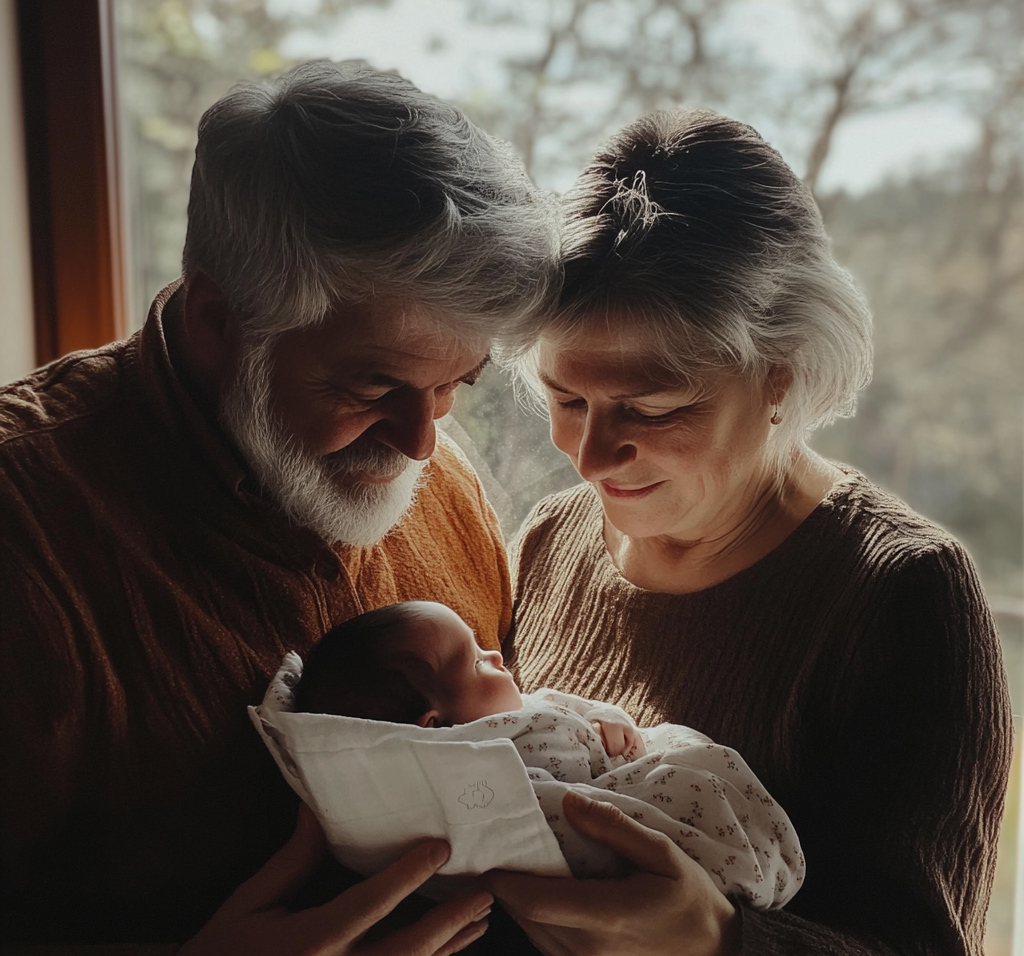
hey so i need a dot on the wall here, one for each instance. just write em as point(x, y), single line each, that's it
point(17, 348)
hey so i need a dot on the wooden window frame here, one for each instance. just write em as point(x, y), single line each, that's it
point(69, 105)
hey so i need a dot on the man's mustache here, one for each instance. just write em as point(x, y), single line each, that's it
point(368, 457)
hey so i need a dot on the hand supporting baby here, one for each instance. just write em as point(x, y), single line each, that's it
point(256, 919)
point(620, 739)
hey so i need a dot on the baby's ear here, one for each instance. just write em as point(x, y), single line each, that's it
point(431, 718)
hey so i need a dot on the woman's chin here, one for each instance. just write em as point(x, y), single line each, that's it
point(634, 521)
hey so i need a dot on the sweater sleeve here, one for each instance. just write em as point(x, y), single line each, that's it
point(41, 711)
point(914, 780)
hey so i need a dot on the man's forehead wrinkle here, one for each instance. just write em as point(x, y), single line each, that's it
point(426, 323)
point(390, 344)
point(381, 320)
point(405, 313)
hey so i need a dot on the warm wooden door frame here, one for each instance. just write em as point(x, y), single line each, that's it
point(70, 110)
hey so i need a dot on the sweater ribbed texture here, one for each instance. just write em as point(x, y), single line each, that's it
point(147, 594)
point(856, 668)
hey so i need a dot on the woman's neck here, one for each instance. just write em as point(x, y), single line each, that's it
point(761, 522)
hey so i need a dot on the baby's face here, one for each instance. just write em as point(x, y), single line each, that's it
point(465, 682)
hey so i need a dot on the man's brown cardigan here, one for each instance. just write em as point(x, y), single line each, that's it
point(147, 594)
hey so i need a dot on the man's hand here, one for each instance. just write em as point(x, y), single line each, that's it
point(254, 923)
point(668, 906)
point(620, 739)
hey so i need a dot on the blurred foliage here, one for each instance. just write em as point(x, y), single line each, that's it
point(177, 57)
point(941, 423)
point(940, 254)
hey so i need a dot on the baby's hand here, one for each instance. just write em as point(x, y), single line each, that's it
point(620, 739)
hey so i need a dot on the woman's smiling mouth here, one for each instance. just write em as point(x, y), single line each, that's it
point(614, 491)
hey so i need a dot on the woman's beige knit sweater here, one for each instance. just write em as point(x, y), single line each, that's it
point(858, 671)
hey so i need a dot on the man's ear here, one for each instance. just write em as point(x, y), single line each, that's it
point(431, 718)
point(210, 334)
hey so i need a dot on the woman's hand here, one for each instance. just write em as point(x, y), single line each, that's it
point(253, 922)
point(620, 739)
point(668, 906)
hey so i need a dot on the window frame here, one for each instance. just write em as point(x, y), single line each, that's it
point(74, 196)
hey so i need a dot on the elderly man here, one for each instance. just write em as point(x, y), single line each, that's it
point(257, 464)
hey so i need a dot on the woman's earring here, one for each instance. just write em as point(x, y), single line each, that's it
point(775, 420)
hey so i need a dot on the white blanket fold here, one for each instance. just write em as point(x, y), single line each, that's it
point(494, 789)
point(377, 788)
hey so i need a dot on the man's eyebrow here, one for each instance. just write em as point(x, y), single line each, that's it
point(380, 380)
point(383, 380)
point(473, 374)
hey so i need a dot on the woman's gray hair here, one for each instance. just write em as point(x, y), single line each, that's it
point(336, 183)
point(690, 228)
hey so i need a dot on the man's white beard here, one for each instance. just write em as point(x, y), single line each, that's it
point(312, 490)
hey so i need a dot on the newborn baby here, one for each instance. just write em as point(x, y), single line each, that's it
point(418, 663)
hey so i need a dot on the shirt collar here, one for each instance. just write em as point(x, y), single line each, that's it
point(174, 404)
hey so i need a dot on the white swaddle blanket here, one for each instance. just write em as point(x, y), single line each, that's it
point(378, 787)
point(493, 788)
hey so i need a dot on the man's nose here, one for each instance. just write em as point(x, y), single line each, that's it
point(408, 427)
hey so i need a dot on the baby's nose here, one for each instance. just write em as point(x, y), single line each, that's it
point(494, 658)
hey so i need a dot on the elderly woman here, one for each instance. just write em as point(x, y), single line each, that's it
point(713, 571)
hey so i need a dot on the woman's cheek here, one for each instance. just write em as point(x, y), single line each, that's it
point(565, 433)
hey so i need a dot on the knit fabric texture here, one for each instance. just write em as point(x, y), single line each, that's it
point(857, 670)
point(148, 592)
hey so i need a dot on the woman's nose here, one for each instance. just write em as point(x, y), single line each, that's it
point(602, 449)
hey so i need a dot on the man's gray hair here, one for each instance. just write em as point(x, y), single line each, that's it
point(336, 183)
point(690, 228)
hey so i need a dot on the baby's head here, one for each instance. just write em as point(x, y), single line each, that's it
point(412, 663)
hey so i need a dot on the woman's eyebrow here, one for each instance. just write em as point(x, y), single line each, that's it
point(646, 392)
point(551, 383)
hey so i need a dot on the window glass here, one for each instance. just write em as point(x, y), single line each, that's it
point(906, 120)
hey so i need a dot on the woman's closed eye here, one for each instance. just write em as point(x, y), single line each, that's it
point(630, 411)
point(651, 415)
